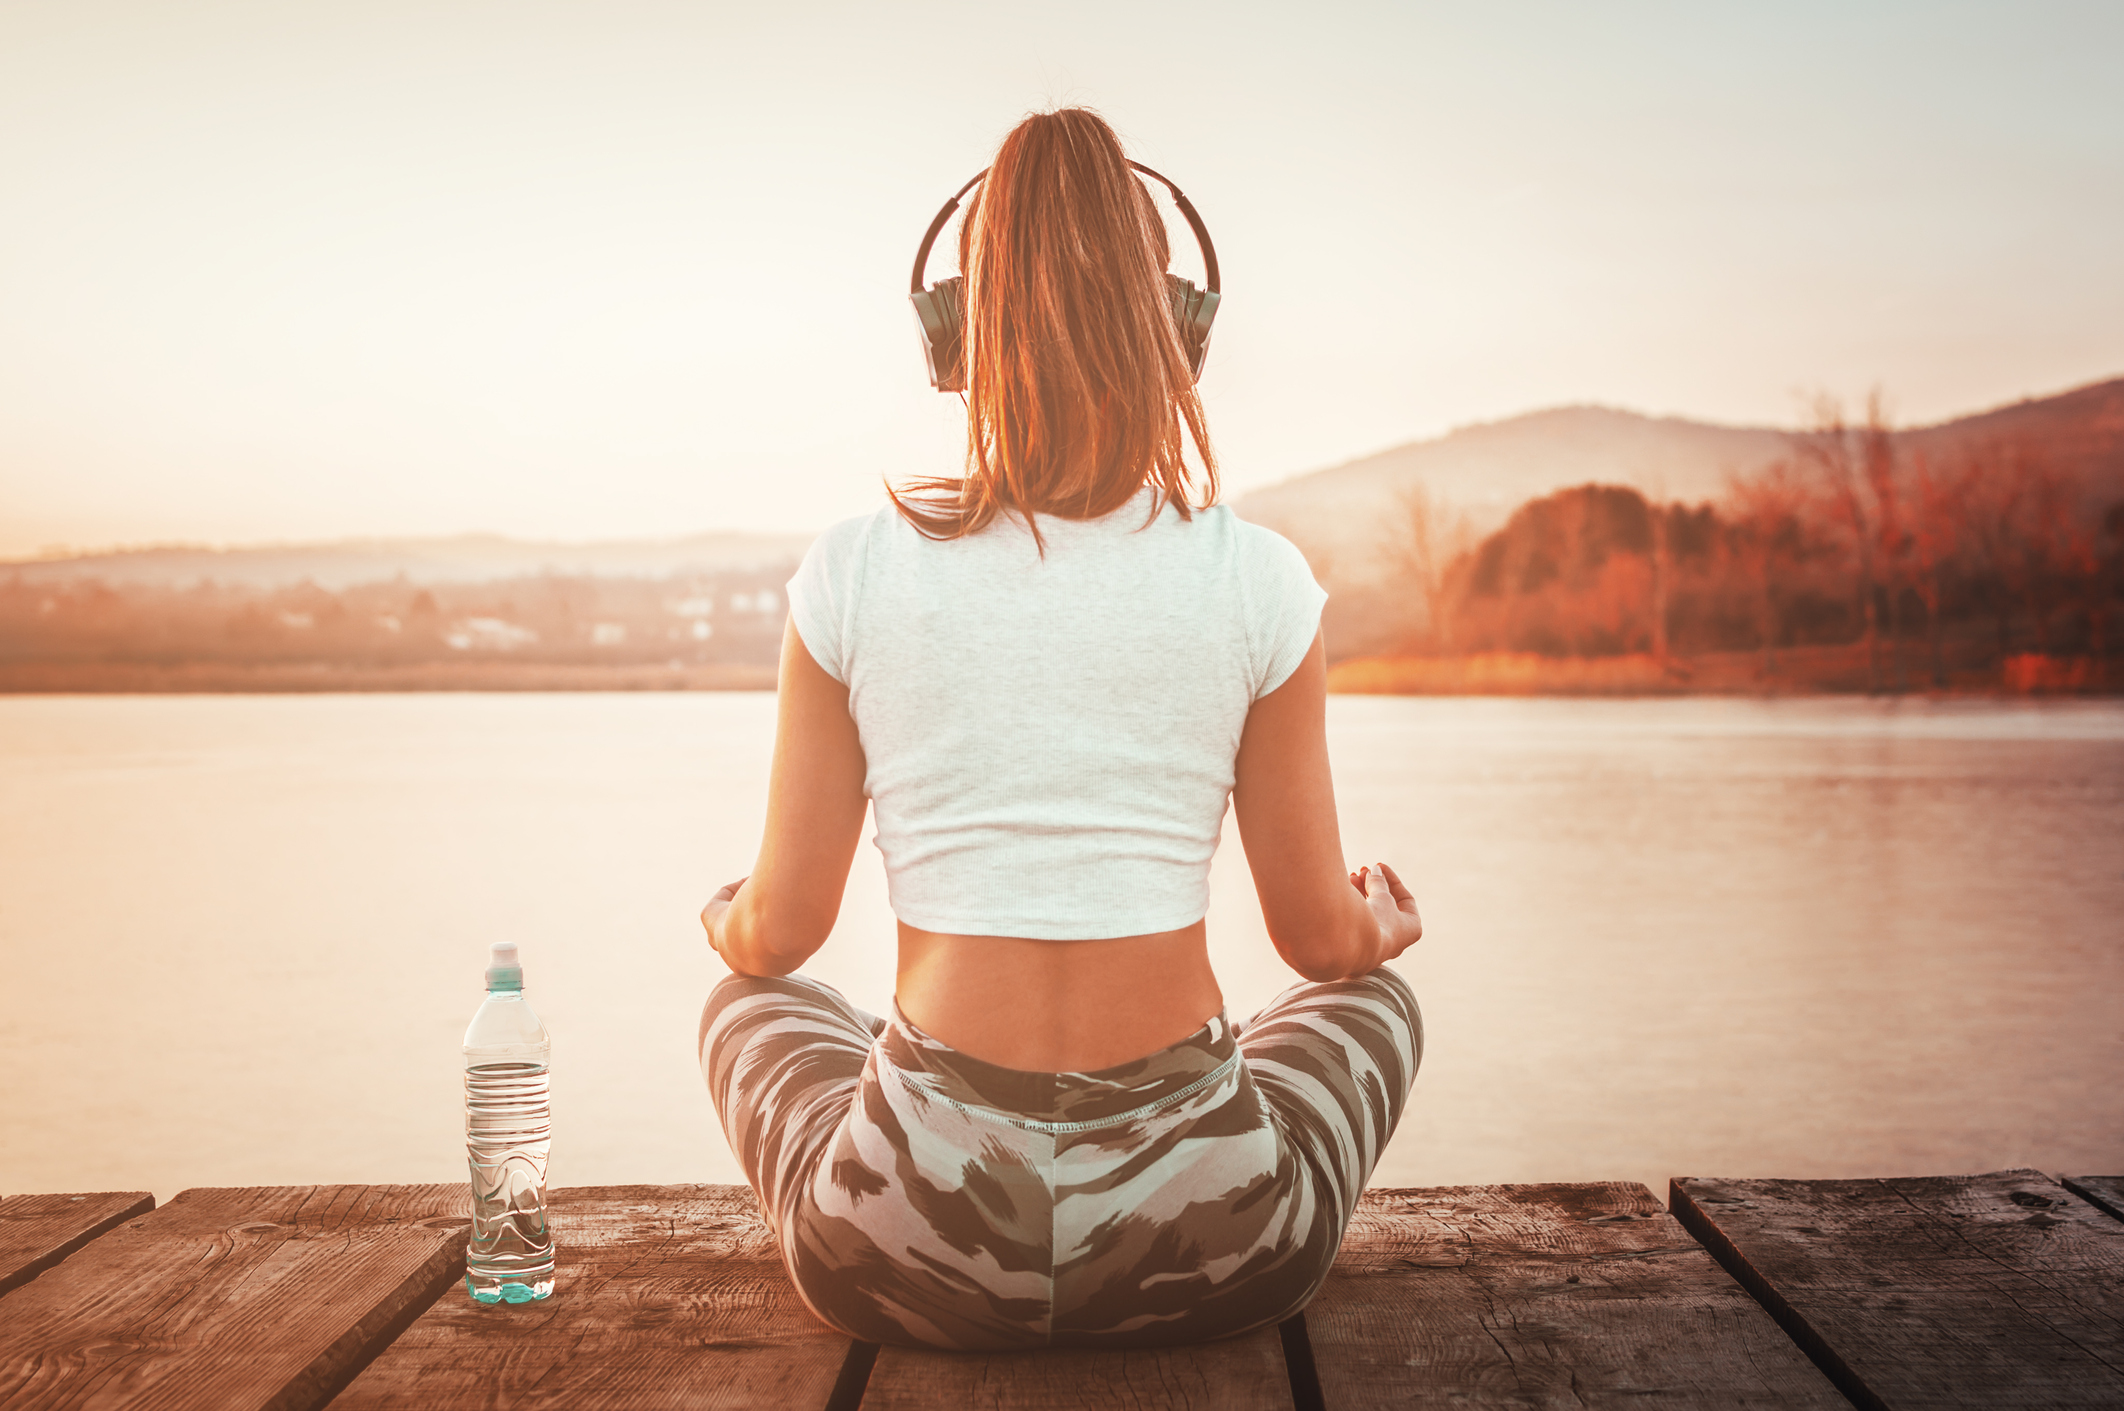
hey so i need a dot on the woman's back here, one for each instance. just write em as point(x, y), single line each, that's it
point(1049, 729)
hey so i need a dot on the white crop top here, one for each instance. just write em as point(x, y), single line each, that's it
point(1049, 741)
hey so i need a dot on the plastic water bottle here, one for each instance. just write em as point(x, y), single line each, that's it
point(508, 1128)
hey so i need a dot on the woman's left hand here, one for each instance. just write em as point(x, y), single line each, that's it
point(712, 914)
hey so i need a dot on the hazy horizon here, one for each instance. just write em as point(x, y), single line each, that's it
point(640, 271)
point(48, 552)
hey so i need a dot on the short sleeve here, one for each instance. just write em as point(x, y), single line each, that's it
point(1283, 605)
point(822, 595)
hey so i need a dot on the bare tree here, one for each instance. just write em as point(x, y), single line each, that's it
point(1766, 534)
point(2055, 550)
point(1935, 518)
point(2108, 577)
point(1660, 556)
point(1892, 540)
point(1423, 538)
point(1832, 449)
point(1662, 579)
point(1993, 507)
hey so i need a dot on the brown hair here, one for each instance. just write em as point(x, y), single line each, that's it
point(1077, 388)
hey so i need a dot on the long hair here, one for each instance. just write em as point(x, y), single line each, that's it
point(1077, 388)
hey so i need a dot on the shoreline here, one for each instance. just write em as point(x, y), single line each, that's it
point(1805, 671)
point(1798, 671)
point(299, 678)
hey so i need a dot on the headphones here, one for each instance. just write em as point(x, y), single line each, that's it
point(942, 307)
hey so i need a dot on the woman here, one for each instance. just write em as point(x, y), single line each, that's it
point(1046, 677)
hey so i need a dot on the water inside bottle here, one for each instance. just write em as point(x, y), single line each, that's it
point(508, 1131)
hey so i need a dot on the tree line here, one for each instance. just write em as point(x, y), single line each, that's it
point(1939, 568)
point(548, 618)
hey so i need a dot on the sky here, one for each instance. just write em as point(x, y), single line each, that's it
point(275, 272)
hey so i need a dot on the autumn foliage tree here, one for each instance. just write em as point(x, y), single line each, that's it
point(1846, 542)
point(1936, 534)
point(1766, 537)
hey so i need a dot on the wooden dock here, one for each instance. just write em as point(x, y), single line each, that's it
point(1994, 1291)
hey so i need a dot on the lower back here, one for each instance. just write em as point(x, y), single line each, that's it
point(1057, 1006)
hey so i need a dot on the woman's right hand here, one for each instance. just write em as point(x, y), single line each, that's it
point(719, 906)
point(1392, 905)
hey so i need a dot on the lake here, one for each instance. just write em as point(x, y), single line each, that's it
point(242, 935)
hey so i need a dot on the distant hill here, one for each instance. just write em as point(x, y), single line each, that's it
point(1487, 470)
point(469, 558)
point(2080, 432)
point(1340, 516)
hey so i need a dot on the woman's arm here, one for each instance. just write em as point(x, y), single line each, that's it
point(771, 922)
point(1327, 923)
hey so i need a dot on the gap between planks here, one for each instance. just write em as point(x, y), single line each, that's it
point(263, 1297)
point(1998, 1290)
point(1506, 1228)
point(1558, 1295)
point(37, 1231)
point(2105, 1193)
point(667, 1297)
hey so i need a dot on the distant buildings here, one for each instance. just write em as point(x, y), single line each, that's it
point(491, 634)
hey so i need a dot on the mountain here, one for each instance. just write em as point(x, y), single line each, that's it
point(2078, 433)
point(1342, 516)
point(467, 558)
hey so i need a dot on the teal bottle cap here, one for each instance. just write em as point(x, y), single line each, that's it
point(504, 970)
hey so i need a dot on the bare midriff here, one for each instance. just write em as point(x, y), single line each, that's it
point(1057, 1006)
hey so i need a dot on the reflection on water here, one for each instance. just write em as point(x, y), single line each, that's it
point(242, 935)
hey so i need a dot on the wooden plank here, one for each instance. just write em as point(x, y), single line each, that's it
point(37, 1231)
point(1238, 1374)
point(261, 1297)
point(1542, 1295)
point(2000, 1290)
point(2103, 1192)
point(666, 1296)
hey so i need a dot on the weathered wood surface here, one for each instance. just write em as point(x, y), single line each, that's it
point(667, 1297)
point(2107, 1192)
point(37, 1231)
point(231, 1299)
point(1995, 1291)
point(1542, 1295)
point(1238, 1374)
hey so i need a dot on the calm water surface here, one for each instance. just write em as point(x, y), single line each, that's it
point(241, 936)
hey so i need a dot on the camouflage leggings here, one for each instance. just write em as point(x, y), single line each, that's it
point(921, 1196)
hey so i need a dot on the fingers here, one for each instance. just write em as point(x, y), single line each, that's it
point(1379, 880)
point(1395, 906)
point(1392, 903)
point(1401, 891)
point(717, 905)
point(1411, 923)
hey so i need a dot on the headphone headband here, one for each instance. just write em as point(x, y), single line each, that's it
point(1187, 209)
point(941, 311)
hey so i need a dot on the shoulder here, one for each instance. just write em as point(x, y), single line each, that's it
point(840, 555)
point(823, 592)
point(1255, 556)
point(851, 536)
point(1261, 550)
point(1282, 602)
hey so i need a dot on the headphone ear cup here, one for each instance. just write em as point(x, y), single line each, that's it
point(941, 308)
point(1194, 310)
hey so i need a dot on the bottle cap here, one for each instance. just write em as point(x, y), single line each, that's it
point(504, 971)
